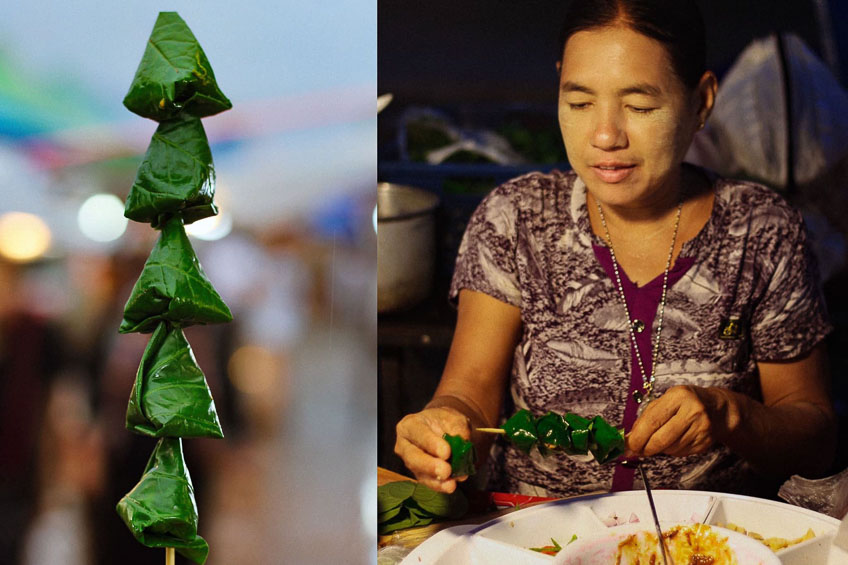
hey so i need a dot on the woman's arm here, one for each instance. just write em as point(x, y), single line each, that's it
point(470, 392)
point(793, 431)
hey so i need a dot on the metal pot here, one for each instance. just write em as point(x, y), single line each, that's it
point(406, 245)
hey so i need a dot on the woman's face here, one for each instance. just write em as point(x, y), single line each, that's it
point(626, 118)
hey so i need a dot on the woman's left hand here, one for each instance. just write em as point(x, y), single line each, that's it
point(685, 420)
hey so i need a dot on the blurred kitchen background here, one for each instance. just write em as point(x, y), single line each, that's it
point(474, 94)
point(292, 252)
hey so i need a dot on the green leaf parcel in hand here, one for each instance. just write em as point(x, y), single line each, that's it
point(174, 75)
point(170, 396)
point(176, 175)
point(160, 510)
point(463, 456)
point(173, 287)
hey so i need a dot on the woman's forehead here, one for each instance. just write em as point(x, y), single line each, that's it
point(616, 56)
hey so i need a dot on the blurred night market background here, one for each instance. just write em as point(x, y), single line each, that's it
point(292, 252)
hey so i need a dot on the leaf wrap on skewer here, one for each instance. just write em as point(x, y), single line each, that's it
point(173, 287)
point(174, 75)
point(463, 455)
point(175, 176)
point(160, 510)
point(570, 433)
point(170, 396)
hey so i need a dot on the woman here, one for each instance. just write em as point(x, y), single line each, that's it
point(683, 306)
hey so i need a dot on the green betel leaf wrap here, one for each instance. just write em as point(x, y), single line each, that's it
point(176, 175)
point(160, 510)
point(569, 433)
point(170, 397)
point(174, 75)
point(521, 430)
point(553, 433)
point(172, 287)
point(462, 456)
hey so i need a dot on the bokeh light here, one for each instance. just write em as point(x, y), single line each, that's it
point(101, 218)
point(23, 237)
point(211, 228)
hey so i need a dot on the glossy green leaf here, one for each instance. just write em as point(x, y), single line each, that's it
point(174, 75)
point(170, 396)
point(176, 175)
point(607, 441)
point(579, 433)
point(463, 456)
point(389, 514)
point(172, 287)
point(439, 504)
point(406, 504)
point(160, 510)
point(391, 495)
point(521, 430)
point(573, 434)
point(552, 432)
point(401, 521)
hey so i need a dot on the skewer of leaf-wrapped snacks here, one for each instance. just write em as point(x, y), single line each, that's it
point(550, 433)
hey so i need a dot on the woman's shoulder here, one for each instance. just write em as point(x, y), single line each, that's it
point(754, 207)
point(533, 191)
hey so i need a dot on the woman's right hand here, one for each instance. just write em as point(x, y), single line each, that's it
point(424, 451)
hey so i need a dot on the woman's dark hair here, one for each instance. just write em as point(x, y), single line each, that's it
point(677, 24)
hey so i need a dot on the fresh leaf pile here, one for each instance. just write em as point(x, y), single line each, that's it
point(174, 186)
point(406, 504)
point(569, 433)
point(462, 456)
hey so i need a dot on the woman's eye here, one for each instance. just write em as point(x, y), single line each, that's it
point(642, 110)
point(578, 105)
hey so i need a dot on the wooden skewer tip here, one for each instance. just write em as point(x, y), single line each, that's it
point(491, 430)
point(170, 558)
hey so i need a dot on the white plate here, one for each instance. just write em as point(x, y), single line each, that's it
point(507, 539)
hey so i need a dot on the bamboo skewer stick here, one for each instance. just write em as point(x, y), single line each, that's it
point(491, 430)
point(169, 556)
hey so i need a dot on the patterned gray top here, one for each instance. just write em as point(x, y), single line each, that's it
point(529, 244)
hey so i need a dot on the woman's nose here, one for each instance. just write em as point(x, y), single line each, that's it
point(609, 132)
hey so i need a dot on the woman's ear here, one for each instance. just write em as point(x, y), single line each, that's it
point(706, 93)
point(559, 67)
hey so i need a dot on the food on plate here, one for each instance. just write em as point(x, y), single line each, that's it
point(554, 548)
point(695, 544)
point(462, 455)
point(774, 543)
point(568, 433)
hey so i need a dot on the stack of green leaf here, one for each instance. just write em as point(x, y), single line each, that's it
point(406, 504)
point(174, 186)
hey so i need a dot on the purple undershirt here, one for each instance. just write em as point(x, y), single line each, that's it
point(643, 302)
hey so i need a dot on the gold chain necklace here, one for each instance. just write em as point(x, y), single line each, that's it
point(647, 381)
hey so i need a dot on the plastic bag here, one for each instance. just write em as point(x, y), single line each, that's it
point(828, 495)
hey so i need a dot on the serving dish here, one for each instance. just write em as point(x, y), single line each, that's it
point(507, 539)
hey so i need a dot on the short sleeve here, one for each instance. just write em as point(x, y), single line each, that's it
point(791, 317)
point(486, 259)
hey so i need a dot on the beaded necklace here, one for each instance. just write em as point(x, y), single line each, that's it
point(634, 325)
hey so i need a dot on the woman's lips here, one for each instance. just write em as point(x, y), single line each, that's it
point(612, 173)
